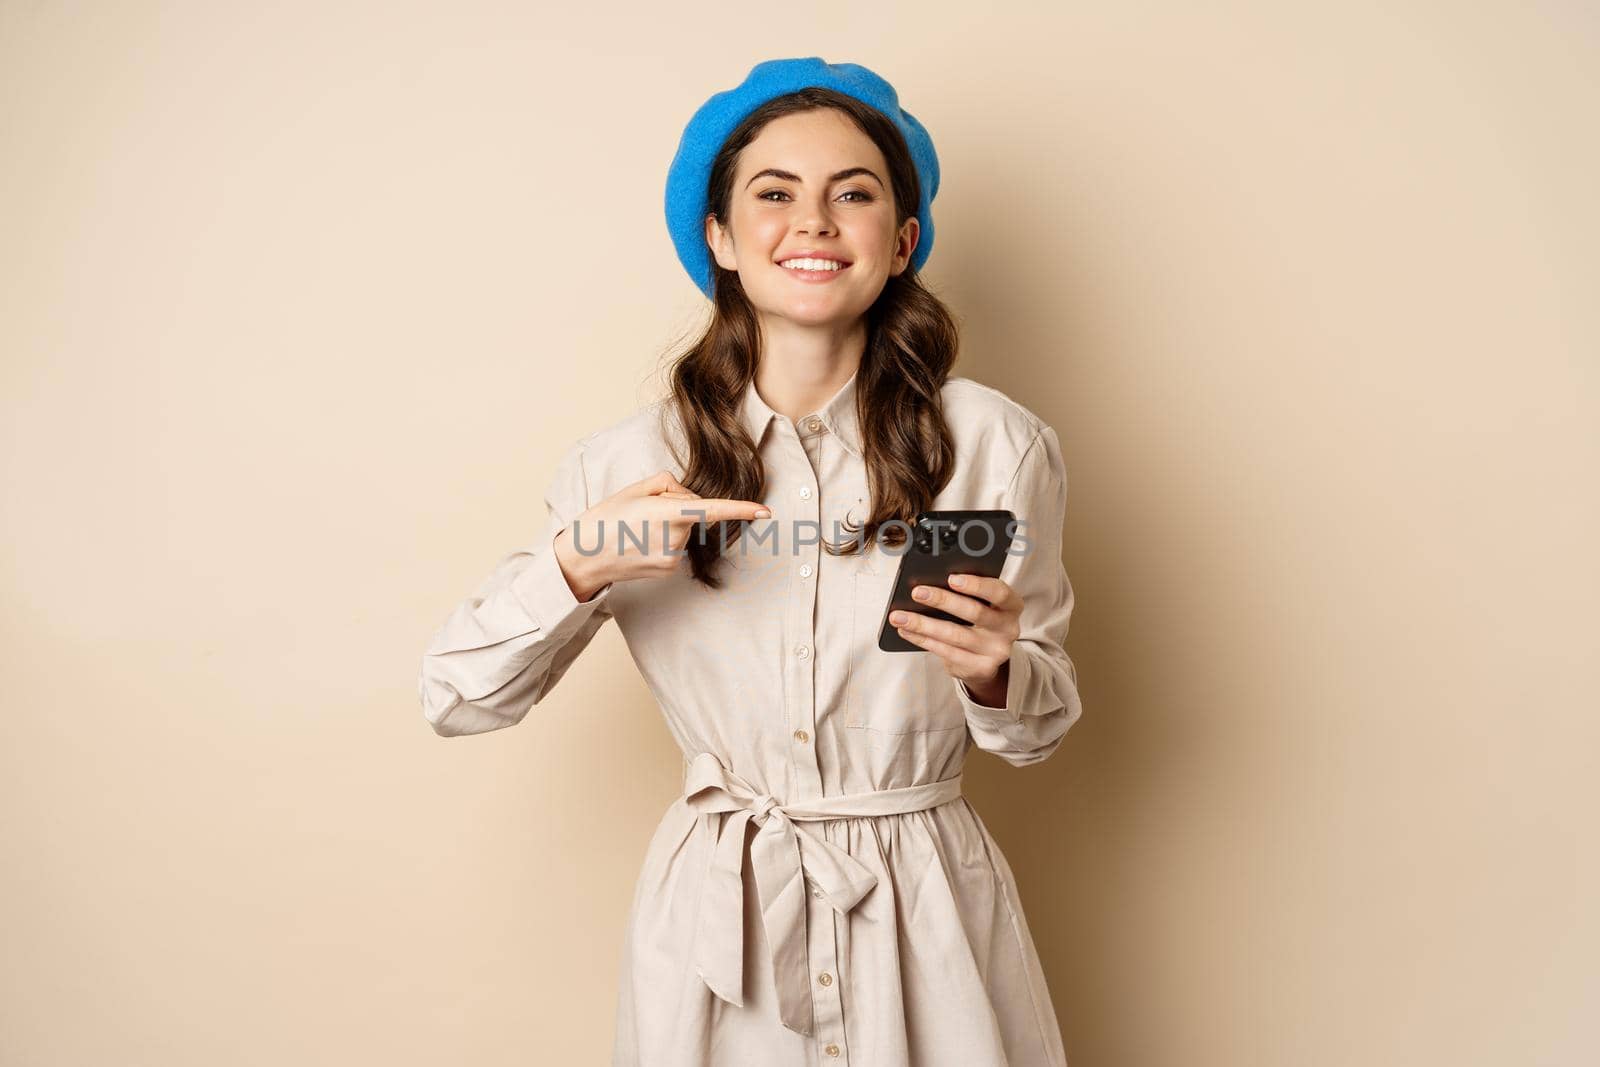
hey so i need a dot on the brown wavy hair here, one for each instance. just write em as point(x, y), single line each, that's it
point(912, 340)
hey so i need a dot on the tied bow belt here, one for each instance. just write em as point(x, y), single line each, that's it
point(782, 857)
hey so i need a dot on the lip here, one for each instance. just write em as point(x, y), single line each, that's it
point(813, 253)
point(814, 277)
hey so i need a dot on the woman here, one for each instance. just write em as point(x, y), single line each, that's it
point(821, 892)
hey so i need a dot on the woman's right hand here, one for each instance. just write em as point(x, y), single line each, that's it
point(658, 510)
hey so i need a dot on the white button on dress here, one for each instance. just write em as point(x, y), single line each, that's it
point(820, 890)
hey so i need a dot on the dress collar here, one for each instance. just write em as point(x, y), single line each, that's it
point(838, 415)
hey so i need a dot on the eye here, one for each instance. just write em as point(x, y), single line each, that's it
point(866, 198)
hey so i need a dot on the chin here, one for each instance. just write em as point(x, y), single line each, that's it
point(819, 315)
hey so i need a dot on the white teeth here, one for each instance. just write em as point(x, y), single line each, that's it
point(811, 264)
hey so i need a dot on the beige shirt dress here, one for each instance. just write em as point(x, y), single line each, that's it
point(821, 893)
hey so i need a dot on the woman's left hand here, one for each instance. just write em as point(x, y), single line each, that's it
point(976, 654)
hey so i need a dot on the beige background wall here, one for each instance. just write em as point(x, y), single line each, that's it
point(300, 303)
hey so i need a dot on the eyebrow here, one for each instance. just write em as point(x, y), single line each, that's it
point(848, 172)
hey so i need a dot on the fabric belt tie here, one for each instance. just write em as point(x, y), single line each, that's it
point(782, 856)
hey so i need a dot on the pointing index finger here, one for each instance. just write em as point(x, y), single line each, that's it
point(723, 509)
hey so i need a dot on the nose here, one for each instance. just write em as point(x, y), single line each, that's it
point(816, 220)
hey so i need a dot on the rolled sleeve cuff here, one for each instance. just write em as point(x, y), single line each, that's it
point(1019, 675)
point(544, 593)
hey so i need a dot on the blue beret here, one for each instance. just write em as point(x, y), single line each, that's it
point(690, 173)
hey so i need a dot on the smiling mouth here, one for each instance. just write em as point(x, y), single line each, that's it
point(814, 268)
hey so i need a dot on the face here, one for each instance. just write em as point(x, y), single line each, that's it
point(812, 183)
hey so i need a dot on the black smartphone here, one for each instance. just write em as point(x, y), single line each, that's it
point(943, 543)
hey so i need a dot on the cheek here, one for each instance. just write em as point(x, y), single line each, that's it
point(872, 238)
point(757, 230)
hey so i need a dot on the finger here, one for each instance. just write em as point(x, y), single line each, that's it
point(678, 490)
point(999, 595)
point(950, 633)
point(720, 509)
point(661, 481)
point(949, 600)
point(956, 660)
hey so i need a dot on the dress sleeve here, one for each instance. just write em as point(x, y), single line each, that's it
point(1042, 688)
point(506, 646)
